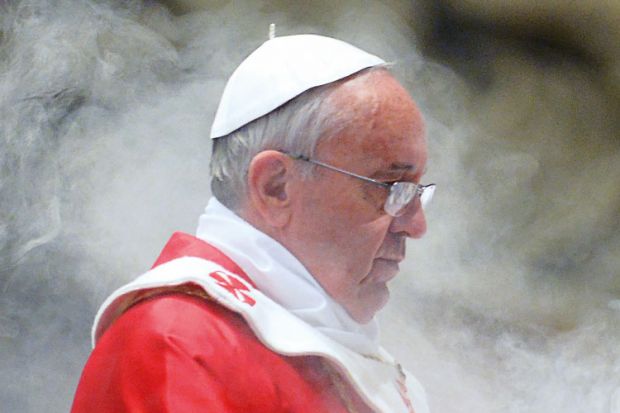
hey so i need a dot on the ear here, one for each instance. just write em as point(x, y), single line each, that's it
point(269, 178)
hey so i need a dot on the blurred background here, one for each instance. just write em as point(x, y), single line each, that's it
point(511, 303)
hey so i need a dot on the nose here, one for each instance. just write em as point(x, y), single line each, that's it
point(412, 222)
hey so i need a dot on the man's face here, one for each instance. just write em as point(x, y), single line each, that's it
point(339, 229)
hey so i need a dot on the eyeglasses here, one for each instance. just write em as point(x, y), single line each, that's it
point(402, 194)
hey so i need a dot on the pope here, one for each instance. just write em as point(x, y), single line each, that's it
point(318, 155)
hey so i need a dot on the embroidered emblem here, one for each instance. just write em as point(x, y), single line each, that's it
point(233, 286)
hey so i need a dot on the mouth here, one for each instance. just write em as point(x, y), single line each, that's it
point(384, 269)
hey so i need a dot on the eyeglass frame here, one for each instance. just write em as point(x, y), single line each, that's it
point(418, 191)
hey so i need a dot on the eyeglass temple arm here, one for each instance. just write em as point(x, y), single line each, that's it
point(342, 171)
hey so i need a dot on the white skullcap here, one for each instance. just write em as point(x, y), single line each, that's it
point(280, 69)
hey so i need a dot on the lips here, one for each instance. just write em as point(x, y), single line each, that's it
point(385, 269)
point(393, 249)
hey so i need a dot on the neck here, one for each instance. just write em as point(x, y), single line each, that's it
point(281, 276)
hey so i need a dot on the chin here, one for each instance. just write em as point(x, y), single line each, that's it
point(370, 304)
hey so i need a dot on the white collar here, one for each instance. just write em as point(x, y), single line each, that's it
point(283, 278)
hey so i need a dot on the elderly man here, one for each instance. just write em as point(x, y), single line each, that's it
point(317, 159)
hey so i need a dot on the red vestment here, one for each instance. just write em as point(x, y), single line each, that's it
point(176, 350)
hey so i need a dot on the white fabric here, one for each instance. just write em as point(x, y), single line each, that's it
point(281, 277)
point(280, 69)
point(376, 379)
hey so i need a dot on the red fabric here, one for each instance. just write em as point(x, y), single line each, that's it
point(185, 245)
point(180, 353)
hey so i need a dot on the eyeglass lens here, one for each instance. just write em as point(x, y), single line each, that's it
point(403, 193)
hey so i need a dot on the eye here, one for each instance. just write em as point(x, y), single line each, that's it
point(387, 185)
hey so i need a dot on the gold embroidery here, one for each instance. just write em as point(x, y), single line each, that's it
point(137, 297)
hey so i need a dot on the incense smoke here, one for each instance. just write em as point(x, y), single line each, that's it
point(510, 303)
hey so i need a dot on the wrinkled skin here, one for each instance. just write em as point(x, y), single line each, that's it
point(338, 227)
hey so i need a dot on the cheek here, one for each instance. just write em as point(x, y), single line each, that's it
point(356, 251)
point(343, 226)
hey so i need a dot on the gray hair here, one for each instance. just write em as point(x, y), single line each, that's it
point(295, 127)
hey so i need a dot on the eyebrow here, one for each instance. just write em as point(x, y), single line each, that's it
point(395, 168)
point(402, 166)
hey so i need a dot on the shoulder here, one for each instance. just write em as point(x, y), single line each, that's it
point(195, 326)
point(177, 352)
point(170, 338)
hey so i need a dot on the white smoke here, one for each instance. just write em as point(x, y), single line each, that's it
point(105, 108)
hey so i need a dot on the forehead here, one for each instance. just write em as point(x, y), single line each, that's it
point(380, 125)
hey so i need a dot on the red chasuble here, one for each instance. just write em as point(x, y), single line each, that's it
point(175, 349)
